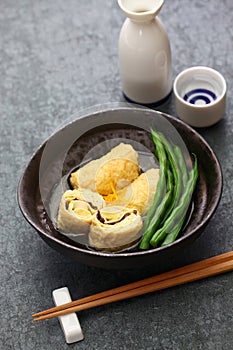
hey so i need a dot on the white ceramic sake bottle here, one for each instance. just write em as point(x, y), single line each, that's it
point(144, 53)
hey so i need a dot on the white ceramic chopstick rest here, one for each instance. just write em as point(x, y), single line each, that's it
point(69, 323)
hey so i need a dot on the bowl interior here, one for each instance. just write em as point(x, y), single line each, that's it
point(38, 181)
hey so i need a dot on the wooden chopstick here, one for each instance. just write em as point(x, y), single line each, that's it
point(202, 269)
point(157, 278)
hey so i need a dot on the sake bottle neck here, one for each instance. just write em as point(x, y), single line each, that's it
point(141, 10)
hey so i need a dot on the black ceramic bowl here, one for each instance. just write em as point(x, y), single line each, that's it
point(41, 174)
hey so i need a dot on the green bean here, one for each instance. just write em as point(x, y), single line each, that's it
point(173, 165)
point(157, 198)
point(171, 237)
point(175, 168)
point(182, 165)
point(161, 183)
point(158, 215)
point(179, 211)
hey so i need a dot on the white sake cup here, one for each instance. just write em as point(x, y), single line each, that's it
point(200, 96)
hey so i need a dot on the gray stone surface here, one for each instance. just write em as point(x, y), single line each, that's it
point(57, 57)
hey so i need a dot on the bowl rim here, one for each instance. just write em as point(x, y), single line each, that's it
point(74, 118)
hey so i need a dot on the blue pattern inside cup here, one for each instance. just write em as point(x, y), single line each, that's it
point(200, 96)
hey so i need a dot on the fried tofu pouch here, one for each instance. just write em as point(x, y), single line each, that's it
point(116, 169)
point(140, 193)
point(76, 210)
point(115, 228)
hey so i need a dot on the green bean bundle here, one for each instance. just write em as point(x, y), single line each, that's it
point(174, 222)
point(167, 214)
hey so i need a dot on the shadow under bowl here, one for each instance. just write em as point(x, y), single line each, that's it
point(121, 122)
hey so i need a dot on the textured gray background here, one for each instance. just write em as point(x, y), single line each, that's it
point(57, 57)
